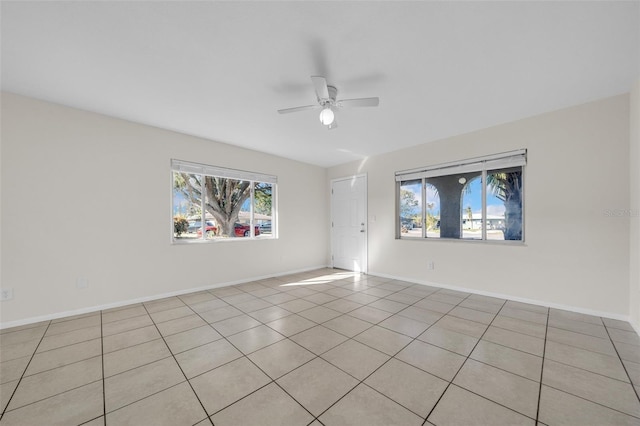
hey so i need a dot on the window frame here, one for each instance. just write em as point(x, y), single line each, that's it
point(180, 166)
point(484, 165)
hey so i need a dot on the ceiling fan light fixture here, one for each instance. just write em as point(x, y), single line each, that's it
point(327, 102)
point(326, 116)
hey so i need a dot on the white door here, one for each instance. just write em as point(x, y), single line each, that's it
point(349, 223)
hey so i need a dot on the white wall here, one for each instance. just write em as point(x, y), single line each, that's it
point(85, 195)
point(634, 207)
point(575, 255)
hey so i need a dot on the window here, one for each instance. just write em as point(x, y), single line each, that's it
point(432, 219)
point(212, 203)
point(411, 208)
point(476, 199)
point(471, 214)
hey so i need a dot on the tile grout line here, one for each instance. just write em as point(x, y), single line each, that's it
point(577, 332)
point(104, 393)
point(500, 368)
point(316, 356)
point(593, 402)
point(316, 418)
point(362, 382)
point(635, 390)
point(591, 372)
point(61, 366)
point(561, 342)
point(390, 357)
point(138, 400)
point(588, 371)
point(463, 364)
point(505, 346)
point(210, 324)
point(544, 349)
point(177, 363)
point(615, 356)
point(346, 284)
point(272, 381)
point(4, 410)
point(69, 344)
point(83, 327)
point(457, 353)
point(56, 394)
point(319, 323)
point(250, 360)
point(450, 382)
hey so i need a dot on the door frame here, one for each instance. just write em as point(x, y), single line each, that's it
point(365, 254)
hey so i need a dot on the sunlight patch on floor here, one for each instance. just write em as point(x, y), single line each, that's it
point(323, 279)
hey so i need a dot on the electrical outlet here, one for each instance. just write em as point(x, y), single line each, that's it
point(6, 294)
point(82, 283)
point(430, 265)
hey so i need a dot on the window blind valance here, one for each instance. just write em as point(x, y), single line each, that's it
point(203, 169)
point(489, 162)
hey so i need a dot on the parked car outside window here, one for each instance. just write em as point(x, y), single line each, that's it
point(241, 230)
point(194, 225)
point(265, 227)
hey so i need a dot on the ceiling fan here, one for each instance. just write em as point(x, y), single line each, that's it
point(327, 102)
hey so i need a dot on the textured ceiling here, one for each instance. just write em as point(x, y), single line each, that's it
point(220, 70)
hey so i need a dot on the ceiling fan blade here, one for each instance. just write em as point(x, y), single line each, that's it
point(320, 84)
point(296, 109)
point(360, 102)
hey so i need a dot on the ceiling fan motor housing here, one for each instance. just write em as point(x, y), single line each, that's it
point(333, 93)
point(326, 98)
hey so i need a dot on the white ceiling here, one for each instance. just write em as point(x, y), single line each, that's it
point(220, 70)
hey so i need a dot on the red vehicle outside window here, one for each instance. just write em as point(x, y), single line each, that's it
point(241, 230)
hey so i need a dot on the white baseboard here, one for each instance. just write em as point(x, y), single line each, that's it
point(121, 303)
point(546, 304)
point(118, 304)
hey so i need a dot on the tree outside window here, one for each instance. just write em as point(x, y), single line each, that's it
point(476, 199)
point(221, 207)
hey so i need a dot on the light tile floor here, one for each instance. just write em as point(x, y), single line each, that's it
point(323, 347)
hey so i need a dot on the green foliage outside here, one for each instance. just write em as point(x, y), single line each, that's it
point(408, 203)
point(180, 225)
point(507, 186)
point(432, 221)
point(223, 197)
point(263, 198)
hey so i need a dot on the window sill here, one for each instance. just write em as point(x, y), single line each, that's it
point(182, 242)
point(460, 240)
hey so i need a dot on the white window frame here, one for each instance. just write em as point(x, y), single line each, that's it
point(221, 172)
point(517, 158)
